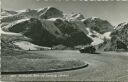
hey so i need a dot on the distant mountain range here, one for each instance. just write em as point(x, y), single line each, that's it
point(50, 27)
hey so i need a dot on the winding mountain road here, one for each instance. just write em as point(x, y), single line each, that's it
point(105, 66)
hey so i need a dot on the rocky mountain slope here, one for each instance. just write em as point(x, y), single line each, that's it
point(119, 40)
point(120, 36)
point(121, 32)
point(98, 25)
point(50, 27)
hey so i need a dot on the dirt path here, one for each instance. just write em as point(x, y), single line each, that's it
point(108, 66)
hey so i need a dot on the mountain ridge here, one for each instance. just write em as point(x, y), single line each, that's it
point(56, 28)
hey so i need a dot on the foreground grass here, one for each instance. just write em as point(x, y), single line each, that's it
point(20, 61)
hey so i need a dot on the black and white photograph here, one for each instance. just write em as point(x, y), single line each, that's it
point(64, 40)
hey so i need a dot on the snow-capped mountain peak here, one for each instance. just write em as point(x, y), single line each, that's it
point(120, 26)
point(94, 18)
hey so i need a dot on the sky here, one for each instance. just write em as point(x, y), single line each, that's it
point(115, 12)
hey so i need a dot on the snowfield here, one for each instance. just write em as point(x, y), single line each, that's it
point(9, 33)
point(99, 38)
point(107, 35)
point(25, 45)
point(96, 40)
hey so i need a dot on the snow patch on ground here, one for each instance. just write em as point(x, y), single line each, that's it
point(21, 11)
point(52, 19)
point(99, 38)
point(25, 45)
point(93, 18)
point(107, 35)
point(96, 40)
point(9, 33)
point(40, 9)
point(22, 20)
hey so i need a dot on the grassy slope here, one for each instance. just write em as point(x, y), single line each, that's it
point(16, 60)
point(19, 61)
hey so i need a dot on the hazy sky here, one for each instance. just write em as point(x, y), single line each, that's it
point(113, 11)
